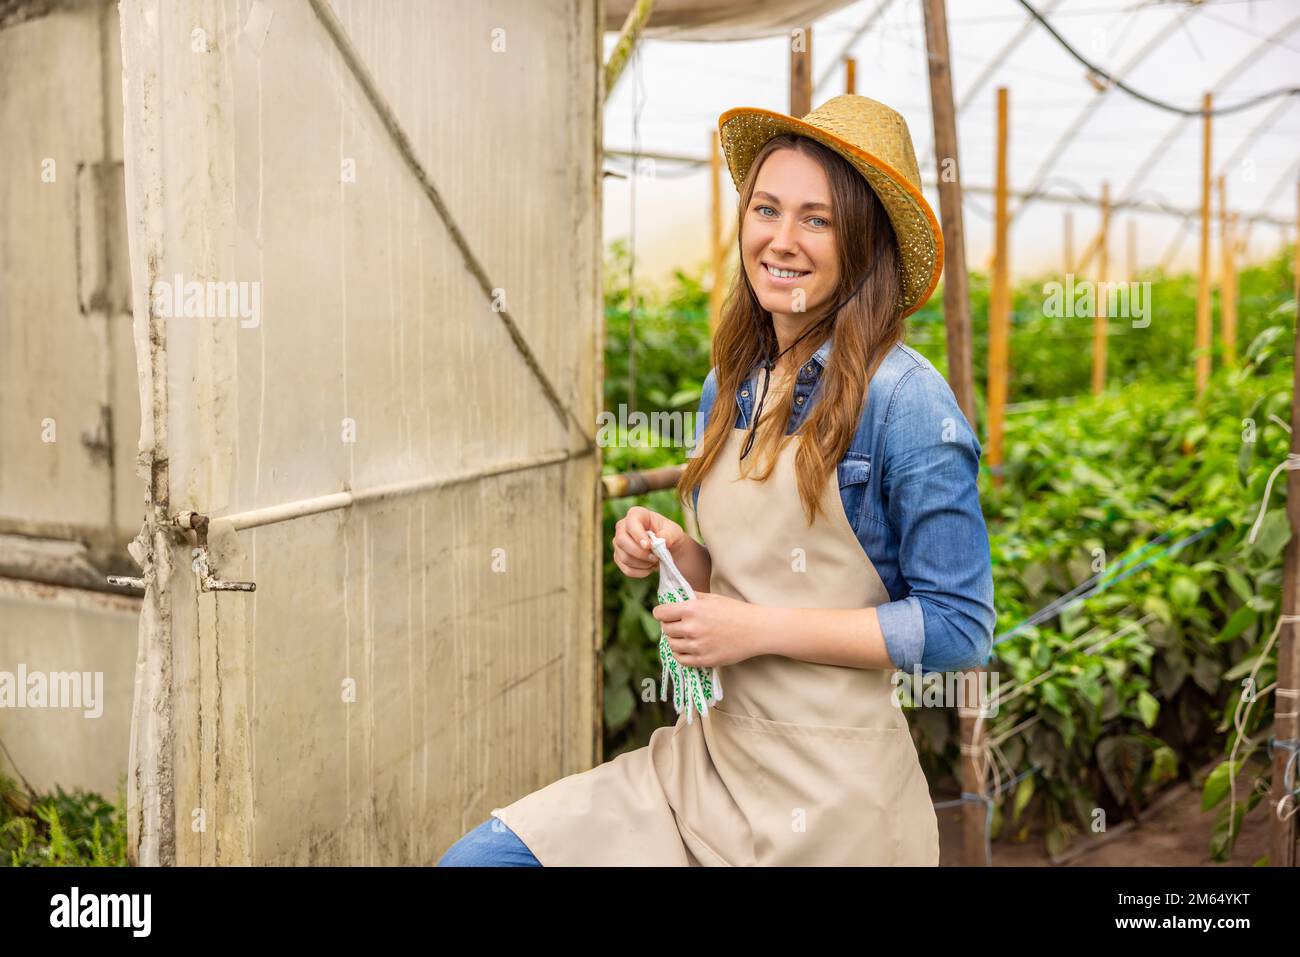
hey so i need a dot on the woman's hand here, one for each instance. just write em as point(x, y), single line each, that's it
point(711, 630)
point(631, 542)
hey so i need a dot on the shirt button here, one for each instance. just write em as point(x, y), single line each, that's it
point(799, 399)
point(745, 393)
point(808, 368)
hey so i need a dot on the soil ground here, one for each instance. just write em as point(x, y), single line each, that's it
point(1177, 835)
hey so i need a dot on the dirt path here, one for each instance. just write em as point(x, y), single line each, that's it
point(1176, 835)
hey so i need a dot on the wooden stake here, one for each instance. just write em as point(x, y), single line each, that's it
point(1085, 258)
point(999, 301)
point(1227, 278)
point(1100, 319)
point(715, 231)
point(850, 75)
point(956, 301)
point(956, 305)
point(1068, 244)
point(1132, 249)
point(1286, 697)
point(1203, 286)
point(801, 71)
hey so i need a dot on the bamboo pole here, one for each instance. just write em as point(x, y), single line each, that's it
point(715, 230)
point(1203, 286)
point(956, 306)
point(1085, 260)
point(961, 379)
point(1100, 320)
point(1227, 277)
point(1132, 249)
point(850, 74)
point(999, 301)
point(1067, 243)
point(956, 301)
point(1286, 697)
point(626, 43)
point(801, 71)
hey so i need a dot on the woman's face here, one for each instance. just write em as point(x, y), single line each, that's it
point(788, 227)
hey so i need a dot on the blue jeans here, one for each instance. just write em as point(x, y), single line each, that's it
point(491, 844)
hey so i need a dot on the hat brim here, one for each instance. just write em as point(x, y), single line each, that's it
point(744, 130)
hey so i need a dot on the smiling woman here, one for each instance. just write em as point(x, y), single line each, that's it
point(858, 547)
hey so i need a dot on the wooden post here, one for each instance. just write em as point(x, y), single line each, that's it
point(801, 71)
point(1203, 286)
point(956, 305)
point(1132, 248)
point(1100, 322)
point(999, 301)
point(850, 75)
point(1227, 277)
point(956, 301)
point(1067, 243)
point(1286, 697)
point(715, 231)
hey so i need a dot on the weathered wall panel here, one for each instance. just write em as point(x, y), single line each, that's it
point(70, 499)
point(62, 308)
point(52, 630)
point(262, 150)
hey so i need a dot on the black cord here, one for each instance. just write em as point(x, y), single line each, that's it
point(1216, 111)
point(769, 363)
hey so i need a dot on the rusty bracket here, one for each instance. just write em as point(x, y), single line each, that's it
point(207, 574)
point(208, 581)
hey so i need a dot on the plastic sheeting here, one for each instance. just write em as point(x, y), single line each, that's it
point(722, 19)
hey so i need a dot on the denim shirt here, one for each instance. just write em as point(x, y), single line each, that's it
point(908, 486)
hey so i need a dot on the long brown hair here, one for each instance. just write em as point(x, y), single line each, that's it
point(867, 326)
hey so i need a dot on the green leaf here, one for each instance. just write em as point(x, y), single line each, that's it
point(1024, 791)
point(1155, 605)
point(1216, 786)
point(1241, 619)
point(1274, 533)
point(1090, 688)
point(652, 626)
point(1148, 708)
point(1055, 842)
point(619, 705)
point(1055, 697)
point(1261, 342)
point(1237, 581)
point(1184, 592)
point(683, 397)
point(1164, 766)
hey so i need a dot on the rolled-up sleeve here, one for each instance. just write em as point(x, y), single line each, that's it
point(930, 497)
point(708, 393)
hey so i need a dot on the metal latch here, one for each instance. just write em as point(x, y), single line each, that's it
point(199, 559)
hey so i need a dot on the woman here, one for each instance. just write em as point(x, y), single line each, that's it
point(842, 536)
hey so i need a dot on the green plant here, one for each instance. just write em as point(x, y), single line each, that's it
point(79, 829)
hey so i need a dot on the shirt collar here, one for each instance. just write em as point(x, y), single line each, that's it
point(823, 352)
point(821, 357)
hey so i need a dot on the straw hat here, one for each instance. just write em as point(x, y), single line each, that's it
point(876, 141)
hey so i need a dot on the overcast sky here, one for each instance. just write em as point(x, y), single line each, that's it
point(671, 94)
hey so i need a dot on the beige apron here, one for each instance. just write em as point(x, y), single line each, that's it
point(799, 763)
